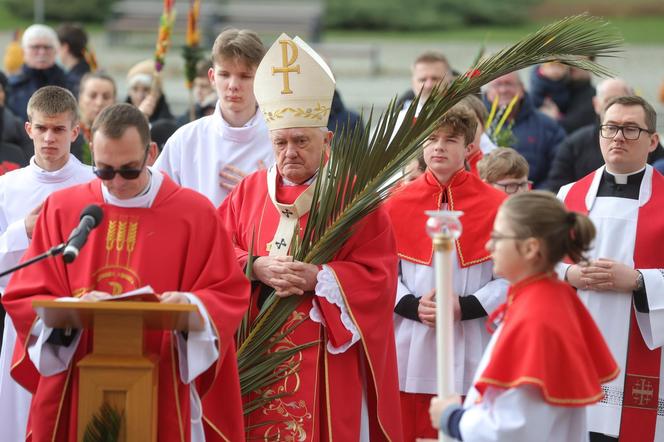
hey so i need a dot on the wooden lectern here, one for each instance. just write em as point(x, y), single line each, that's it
point(117, 371)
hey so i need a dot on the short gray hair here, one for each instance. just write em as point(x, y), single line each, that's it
point(37, 31)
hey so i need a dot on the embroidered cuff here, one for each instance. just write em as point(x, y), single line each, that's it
point(328, 289)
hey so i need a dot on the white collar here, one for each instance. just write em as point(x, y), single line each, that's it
point(621, 178)
point(57, 176)
point(144, 199)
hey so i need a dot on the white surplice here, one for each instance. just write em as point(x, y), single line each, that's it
point(518, 414)
point(615, 220)
point(195, 154)
point(20, 192)
point(416, 342)
point(195, 354)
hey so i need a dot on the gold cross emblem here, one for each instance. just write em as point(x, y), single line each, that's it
point(286, 68)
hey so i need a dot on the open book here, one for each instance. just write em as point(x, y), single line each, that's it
point(143, 294)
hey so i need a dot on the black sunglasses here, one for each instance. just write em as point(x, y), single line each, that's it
point(108, 173)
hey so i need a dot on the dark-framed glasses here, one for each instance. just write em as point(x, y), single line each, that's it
point(511, 188)
point(108, 173)
point(629, 132)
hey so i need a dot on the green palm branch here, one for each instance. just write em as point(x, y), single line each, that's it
point(105, 425)
point(362, 168)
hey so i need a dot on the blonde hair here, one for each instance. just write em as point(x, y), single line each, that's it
point(539, 214)
point(242, 44)
point(500, 163)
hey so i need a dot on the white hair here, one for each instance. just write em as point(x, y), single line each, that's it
point(39, 31)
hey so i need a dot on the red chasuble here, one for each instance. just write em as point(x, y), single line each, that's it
point(324, 396)
point(478, 201)
point(550, 341)
point(178, 244)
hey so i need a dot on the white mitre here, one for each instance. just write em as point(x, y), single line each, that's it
point(293, 85)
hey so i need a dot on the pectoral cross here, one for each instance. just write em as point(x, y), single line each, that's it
point(286, 68)
point(287, 212)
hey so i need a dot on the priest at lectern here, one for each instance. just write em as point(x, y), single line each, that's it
point(152, 233)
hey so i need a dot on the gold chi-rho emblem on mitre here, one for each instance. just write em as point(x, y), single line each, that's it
point(294, 86)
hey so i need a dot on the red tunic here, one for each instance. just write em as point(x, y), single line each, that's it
point(478, 201)
point(550, 341)
point(324, 396)
point(178, 244)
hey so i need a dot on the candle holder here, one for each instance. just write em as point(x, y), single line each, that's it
point(444, 227)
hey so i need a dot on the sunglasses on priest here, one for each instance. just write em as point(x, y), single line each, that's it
point(108, 173)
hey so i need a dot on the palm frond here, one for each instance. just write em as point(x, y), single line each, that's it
point(362, 168)
point(105, 425)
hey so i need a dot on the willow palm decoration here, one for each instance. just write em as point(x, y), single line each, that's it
point(362, 168)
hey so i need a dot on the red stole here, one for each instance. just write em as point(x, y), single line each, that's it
point(323, 398)
point(132, 248)
point(641, 388)
point(465, 192)
point(545, 325)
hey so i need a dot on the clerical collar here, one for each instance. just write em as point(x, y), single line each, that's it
point(142, 200)
point(56, 176)
point(621, 185)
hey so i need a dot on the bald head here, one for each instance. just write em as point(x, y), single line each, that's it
point(608, 89)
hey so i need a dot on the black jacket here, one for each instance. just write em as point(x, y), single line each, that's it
point(26, 82)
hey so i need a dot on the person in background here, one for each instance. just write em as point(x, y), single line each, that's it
point(73, 44)
point(205, 96)
point(505, 169)
point(97, 91)
point(40, 49)
point(536, 134)
point(146, 93)
point(12, 132)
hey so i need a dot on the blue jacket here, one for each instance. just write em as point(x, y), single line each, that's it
point(26, 83)
point(537, 137)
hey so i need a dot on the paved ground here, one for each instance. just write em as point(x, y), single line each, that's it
point(643, 66)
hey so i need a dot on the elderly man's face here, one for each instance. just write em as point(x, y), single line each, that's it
point(298, 151)
point(40, 53)
point(505, 88)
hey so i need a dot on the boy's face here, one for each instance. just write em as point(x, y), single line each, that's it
point(202, 89)
point(233, 79)
point(52, 136)
point(444, 152)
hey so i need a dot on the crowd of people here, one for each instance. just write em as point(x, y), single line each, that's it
point(558, 324)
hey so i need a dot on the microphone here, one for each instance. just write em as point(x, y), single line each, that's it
point(91, 216)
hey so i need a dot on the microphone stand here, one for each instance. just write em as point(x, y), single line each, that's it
point(53, 251)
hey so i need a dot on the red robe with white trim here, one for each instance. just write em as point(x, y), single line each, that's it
point(178, 244)
point(324, 399)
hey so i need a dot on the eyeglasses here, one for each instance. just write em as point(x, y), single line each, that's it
point(495, 237)
point(108, 173)
point(511, 188)
point(45, 48)
point(629, 132)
